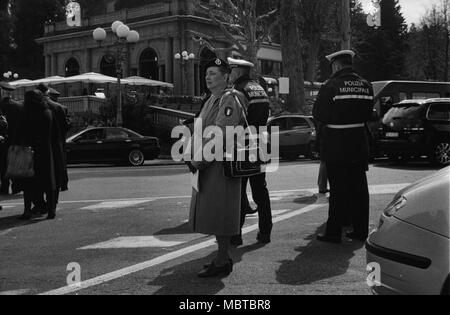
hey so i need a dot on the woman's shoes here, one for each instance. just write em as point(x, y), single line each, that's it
point(212, 271)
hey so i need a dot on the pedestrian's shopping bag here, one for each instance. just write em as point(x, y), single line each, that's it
point(252, 163)
point(20, 162)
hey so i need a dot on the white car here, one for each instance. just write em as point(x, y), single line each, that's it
point(411, 243)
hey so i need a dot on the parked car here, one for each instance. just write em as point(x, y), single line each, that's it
point(411, 243)
point(111, 145)
point(297, 136)
point(388, 93)
point(417, 128)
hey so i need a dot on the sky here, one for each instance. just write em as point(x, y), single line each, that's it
point(412, 10)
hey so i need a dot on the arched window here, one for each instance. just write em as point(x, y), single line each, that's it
point(72, 67)
point(206, 56)
point(148, 64)
point(108, 66)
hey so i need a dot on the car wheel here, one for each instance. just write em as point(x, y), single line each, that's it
point(136, 158)
point(441, 153)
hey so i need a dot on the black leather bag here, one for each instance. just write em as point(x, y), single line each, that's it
point(253, 164)
point(20, 162)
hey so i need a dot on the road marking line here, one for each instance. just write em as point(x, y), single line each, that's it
point(15, 292)
point(165, 258)
point(374, 190)
point(133, 243)
point(116, 204)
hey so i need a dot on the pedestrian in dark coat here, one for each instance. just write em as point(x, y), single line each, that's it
point(39, 130)
point(10, 110)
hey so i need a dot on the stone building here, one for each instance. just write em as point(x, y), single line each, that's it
point(166, 27)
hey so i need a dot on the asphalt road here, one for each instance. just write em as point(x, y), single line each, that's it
point(126, 229)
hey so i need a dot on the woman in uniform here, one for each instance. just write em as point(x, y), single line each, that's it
point(215, 207)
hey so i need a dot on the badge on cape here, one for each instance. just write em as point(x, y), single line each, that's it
point(228, 111)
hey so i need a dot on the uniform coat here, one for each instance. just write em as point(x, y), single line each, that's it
point(333, 106)
point(216, 209)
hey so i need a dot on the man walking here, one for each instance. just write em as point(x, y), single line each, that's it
point(343, 107)
point(258, 114)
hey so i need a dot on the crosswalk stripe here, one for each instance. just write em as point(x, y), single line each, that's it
point(116, 204)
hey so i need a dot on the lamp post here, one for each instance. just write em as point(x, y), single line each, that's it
point(123, 37)
point(184, 58)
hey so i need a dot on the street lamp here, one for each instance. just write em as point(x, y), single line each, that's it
point(184, 58)
point(123, 37)
point(9, 76)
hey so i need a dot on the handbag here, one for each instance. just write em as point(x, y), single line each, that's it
point(20, 162)
point(252, 164)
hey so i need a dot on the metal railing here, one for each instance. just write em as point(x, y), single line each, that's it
point(83, 104)
point(168, 119)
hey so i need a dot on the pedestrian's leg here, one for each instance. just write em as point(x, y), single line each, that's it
point(5, 183)
point(361, 203)
point(28, 195)
point(51, 204)
point(322, 181)
point(223, 254)
point(261, 197)
point(337, 178)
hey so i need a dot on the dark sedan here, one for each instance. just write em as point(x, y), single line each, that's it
point(111, 145)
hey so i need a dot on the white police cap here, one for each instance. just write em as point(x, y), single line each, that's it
point(342, 53)
point(239, 63)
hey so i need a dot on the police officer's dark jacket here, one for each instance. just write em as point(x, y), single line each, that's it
point(258, 101)
point(344, 105)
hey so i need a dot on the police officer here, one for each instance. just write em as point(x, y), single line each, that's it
point(258, 113)
point(343, 107)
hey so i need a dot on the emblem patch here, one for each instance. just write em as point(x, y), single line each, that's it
point(218, 62)
point(228, 111)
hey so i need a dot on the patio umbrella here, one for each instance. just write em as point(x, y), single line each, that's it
point(90, 77)
point(140, 81)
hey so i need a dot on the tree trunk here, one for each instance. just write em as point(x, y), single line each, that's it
point(291, 48)
point(313, 52)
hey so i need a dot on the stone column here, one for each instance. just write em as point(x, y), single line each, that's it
point(54, 62)
point(48, 65)
point(87, 60)
point(169, 60)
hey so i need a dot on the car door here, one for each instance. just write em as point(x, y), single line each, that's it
point(88, 147)
point(283, 132)
point(118, 144)
point(301, 132)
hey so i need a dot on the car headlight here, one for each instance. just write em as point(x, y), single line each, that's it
point(395, 206)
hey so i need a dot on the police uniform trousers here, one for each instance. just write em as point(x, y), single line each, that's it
point(260, 195)
point(349, 198)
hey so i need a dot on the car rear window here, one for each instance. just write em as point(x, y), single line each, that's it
point(439, 112)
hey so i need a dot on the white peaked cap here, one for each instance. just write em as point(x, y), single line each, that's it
point(341, 53)
point(239, 63)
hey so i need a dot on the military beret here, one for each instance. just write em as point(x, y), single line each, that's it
point(6, 86)
point(343, 54)
point(220, 63)
point(240, 63)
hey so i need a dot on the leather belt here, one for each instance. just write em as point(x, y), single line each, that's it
point(346, 126)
